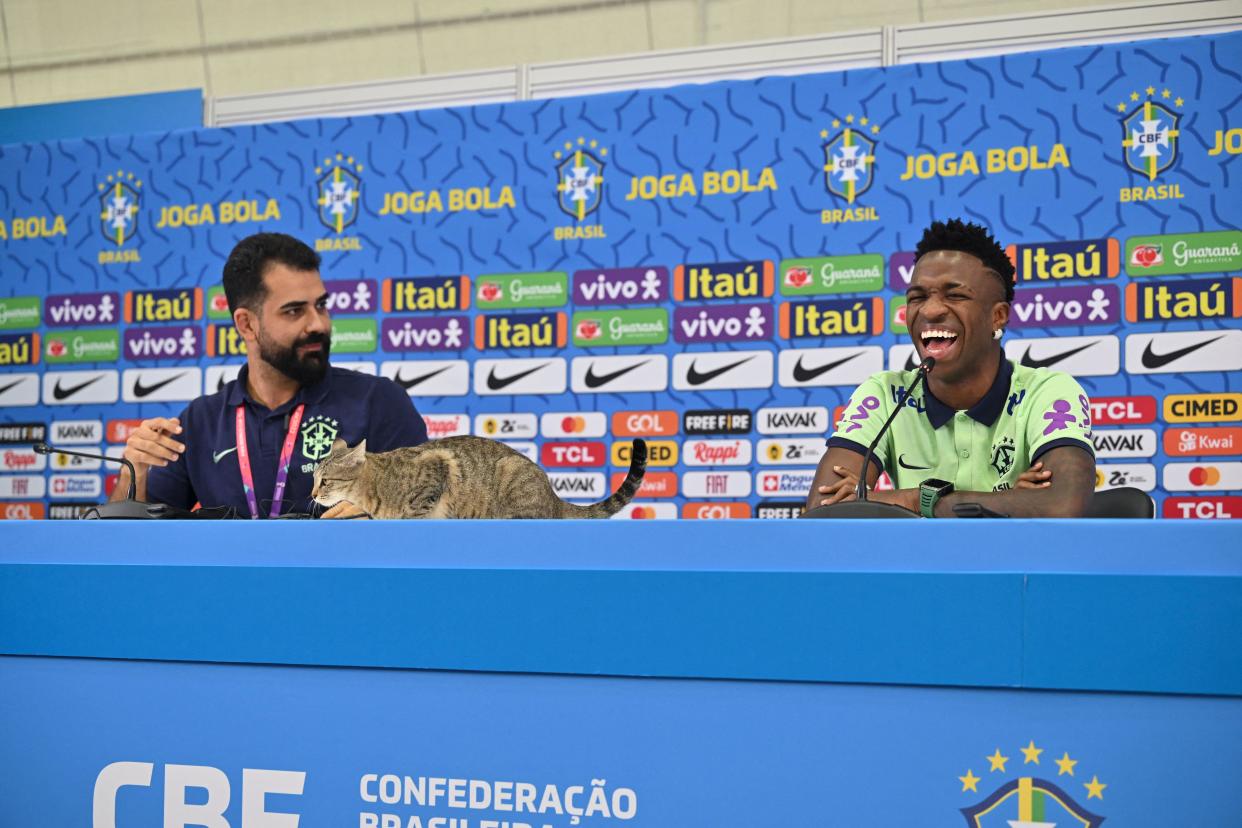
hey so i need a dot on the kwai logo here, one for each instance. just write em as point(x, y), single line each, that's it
point(722, 323)
point(119, 202)
point(1150, 141)
point(1073, 306)
point(424, 333)
point(1200, 442)
point(172, 305)
point(60, 310)
point(723, 280)
point(1215, 252)
point(1184, 299)
point(1060, 260)
point(163, 342)
point(620, 286)
point(1032, 800)
point(432, 293)
point(580, 187)
point(849, 166)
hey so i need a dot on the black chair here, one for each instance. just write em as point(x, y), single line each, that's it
point(1125, 502)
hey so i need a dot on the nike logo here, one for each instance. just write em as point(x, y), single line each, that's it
point(141, 390)
point(803, 374)
point(61, 393)
point(496, 383)
point(695, 378)
point(901, 461)
point(594, 380)
point(407, 384)
point(217, 456)
point(1153, 360)
point(911, 363)
point(13, 384)
point(1031, 362)
point(220, 383)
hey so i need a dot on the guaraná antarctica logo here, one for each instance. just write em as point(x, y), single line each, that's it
point(339, 192)
point(119, 199)
point(580, 177)
point(1150, 133)
point(1031, 801)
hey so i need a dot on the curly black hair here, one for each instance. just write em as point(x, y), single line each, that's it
point(250, 259)
point(974, 239)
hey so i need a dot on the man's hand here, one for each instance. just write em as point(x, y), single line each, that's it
point(344, 509)
point(1036, 477)
point(846, 489)
point(151, 444)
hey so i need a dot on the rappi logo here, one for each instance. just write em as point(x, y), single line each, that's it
point(717, 452)
point(1123, 410)
point(446, 425)
point(14, 460)
point(655, 484)
point(644, 423)
point(580, 454)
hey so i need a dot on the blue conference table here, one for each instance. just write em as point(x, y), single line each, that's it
point(508, 674)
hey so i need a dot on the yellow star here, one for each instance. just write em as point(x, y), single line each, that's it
point(594, 143)
point(340, 157)
point(1134, 96)
point(1030, 753)
point(318, 170)
point(138, 183)
point(1121, 107)
point(1095, 788)
point(556, 154)
point(970, 781)
point(1066, 765)
point(581, 140)
point(603, 151)
point(359, 168)
point(350, 159)
point(1151, 90)
point(101, 188)
point(849, 119)
point(836, 123)
point(569, 145)
point(823, 133)
point(998, 761)
point(863, 120)
point(327, 162)
point(1178, 102)
point(1165, 93)
point(875, 129)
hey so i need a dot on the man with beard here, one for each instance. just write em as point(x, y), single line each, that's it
point(254, 444)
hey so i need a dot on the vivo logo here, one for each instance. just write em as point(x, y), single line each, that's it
point(178, 779)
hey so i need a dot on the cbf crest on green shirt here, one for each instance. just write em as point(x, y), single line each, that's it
point(1026, 412)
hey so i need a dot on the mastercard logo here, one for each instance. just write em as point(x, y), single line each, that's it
point(643, 513)
point(573, 424)
point(1204, 476)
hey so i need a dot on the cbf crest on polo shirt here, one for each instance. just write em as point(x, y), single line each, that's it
point(1026, 412)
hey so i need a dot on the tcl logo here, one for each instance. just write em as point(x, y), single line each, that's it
point(573, 454)
point(119, 430)
point(21, 511)
point(644, 423)
point(659, 453)
point(1203, 508)
point(655, 484)
point(715, 511)
point(1123, 410)
point(185, 783)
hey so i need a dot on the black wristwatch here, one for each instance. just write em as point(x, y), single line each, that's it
point(930, 492)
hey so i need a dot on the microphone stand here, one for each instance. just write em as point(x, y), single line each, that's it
point(127, 509)
point(862, 508)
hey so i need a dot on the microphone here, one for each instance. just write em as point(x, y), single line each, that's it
point(860, 507)
point(128, 508)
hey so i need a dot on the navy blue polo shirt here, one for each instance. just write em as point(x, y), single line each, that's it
point(344, 404)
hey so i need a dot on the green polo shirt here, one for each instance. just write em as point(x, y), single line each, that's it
point(1026, 412)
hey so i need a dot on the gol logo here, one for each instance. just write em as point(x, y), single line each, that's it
point(655, 484)
point(644, 423)
point(21, 511)
point(715, 511)
point(659, 453)
point(572, 454)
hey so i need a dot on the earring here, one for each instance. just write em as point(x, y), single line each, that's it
point(996, 334)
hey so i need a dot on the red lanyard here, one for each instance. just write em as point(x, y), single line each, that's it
point(282, 471)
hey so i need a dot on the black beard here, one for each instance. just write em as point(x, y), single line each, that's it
point(305, 370)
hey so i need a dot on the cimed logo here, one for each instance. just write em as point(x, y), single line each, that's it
point(340, 190)
point(118, 206)
point(1150, 133)
point(1031, 801)
point(580, 177)
point(849, 157)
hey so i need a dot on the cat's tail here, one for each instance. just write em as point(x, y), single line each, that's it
point(624, 493)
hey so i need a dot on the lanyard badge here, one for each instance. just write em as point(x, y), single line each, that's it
point(282, 471)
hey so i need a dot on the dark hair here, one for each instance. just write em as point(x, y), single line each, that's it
point(250, 259)
point(974, 239)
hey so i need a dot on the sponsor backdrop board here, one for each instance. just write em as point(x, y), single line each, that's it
point(736, 249)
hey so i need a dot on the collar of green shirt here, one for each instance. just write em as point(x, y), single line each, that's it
point(985, 411)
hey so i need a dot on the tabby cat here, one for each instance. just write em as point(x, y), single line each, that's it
point(456, 477)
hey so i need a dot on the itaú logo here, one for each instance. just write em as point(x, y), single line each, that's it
point(178, 813)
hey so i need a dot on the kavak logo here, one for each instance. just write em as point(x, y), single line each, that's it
point(578, 485)
point(161, 384)
point(614, 374)
point(849, 166)
point(710, 370)
point(519, 376)
point(811, 419)
point(1185, 351)
point(77, 432)
point(78, 387)
point(338, 198)
point(1150, 138)
point(119, 202)
point(580, 187)
point(1081, 356)
point(429, 377)
point(818, 367)
point(1029, 800)
point(432, 293)
point(1124, 443)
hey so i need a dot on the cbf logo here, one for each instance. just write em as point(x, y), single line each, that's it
point(317, 435)
point(849, 158)
point(340, 191)
point(1031, 801)
point(118, 206)
point(1149, 131)
point(580, 177)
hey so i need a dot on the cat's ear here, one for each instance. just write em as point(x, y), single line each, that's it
point(339, 447)
point(361, 448)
